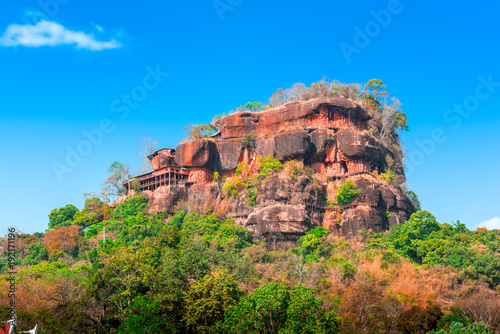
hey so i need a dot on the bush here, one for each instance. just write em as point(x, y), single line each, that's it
point(269, 165)
point(249, 142)
point(241, 169)
point(233, 187)
point(388, 176)
point(296, 168)
point(347, 193)
point(217, 177)
point(251, 198)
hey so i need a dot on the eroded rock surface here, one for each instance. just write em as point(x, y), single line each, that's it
point(197, 153)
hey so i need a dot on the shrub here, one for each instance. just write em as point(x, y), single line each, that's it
point(233, 187)
point(251, 198)
point(241, 169)
point(269, 165)
point(347, 193)
point(388, 176)
point(330, 203)
point(296, 168)
point(249, 142)
point(217, 177)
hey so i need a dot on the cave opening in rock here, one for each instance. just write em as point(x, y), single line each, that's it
point(343, 166)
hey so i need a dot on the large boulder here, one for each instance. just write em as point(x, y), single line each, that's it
point(229, 153)
point(280, 218)
point(314, 113)
point(320, 139)
point(239, 124)
point(166, 198)
point(358, 145)
point(294, 145)
point(266, 146)
point(201, 153)
point(363, 217)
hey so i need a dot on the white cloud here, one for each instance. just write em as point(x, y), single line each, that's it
point(48, 33)
point(98, 27)
point(492, 224)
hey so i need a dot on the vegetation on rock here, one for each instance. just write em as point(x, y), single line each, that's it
point(347, 193)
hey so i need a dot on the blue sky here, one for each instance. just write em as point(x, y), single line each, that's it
point(132, 70)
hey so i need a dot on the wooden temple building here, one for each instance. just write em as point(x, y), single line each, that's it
point(165, 171)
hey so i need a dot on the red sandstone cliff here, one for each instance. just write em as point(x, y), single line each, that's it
point(327, 134)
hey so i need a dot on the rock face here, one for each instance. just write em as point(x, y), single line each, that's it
point(166, 198)
point(326, 134)
point(293, 145)
point(359, 145)
point(197, 153)
point(232, 150)
point(284, 205)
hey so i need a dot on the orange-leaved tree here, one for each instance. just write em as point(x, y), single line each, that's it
point(63, 239)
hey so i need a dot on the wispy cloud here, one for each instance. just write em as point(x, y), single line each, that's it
point(48, 33)
point(492, 224)
point(98, 27)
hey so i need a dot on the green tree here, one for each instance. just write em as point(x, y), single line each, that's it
point(147, 316)
point(62, 217)
point(375, 92)
point(131, 207)
point(92, 213)
point(253, 106)
point(206, 300)
point(409, 236)
point(272, 308)
point(264, 311)
point(460, 328)
point(305, 314)
point(36, 253)
point(313, 244)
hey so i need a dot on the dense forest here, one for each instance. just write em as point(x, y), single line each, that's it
point(203, 274)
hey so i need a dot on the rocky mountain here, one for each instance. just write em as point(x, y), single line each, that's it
point(325, 142)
